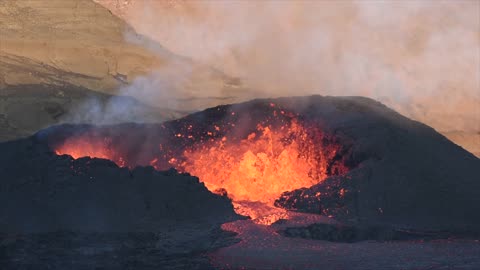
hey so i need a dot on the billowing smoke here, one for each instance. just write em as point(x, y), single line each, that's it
point(420, 57)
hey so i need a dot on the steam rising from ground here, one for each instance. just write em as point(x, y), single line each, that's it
point(419, 57)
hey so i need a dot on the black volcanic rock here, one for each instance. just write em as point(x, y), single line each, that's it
point(350, 234)
point(61, 213)
point(43, 192)
point(405, 174)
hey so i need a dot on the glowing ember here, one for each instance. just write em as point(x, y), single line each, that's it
point(252, 168)
point(100, 148)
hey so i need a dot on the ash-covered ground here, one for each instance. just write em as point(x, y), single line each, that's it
point(409, 199)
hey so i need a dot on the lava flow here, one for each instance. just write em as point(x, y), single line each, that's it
point(253, 163)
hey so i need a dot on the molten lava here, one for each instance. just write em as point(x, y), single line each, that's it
point(278, 154)
point(259, 168)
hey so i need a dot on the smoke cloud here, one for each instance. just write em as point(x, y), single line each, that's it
point(421, 58)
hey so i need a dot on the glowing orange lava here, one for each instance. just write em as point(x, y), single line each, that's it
point(78, 147)
point(254, 171)
point(259, 168)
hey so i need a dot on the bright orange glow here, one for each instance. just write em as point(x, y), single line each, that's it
point(253, 171)
point(261, 167)
point(78, 147)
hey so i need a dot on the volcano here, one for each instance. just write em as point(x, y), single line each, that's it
point(351, 158)
point(293, 161)
point(251, 152)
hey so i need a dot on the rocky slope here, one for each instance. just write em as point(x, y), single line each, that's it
point(80, 42)
point(25, 109)
point(468, 140)
point(73, 41)
point(57, 54)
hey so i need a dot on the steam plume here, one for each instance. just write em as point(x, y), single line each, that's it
point(420, 57)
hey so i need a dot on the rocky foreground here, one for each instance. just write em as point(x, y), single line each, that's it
point(60, 213)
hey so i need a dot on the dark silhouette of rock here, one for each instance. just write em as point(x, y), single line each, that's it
point(43, 192)
point(405, 174)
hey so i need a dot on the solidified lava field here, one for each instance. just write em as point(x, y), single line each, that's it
point(327, 182)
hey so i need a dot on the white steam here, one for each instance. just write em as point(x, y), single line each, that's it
point(420, 57)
